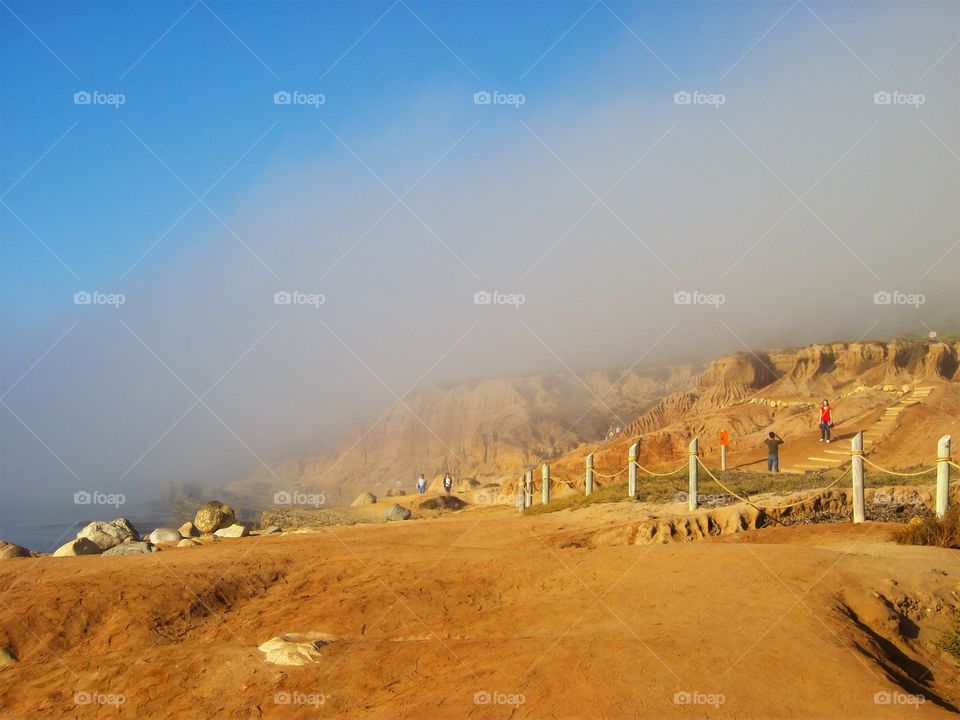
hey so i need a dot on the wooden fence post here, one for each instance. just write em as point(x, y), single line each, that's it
point(943, 475)
point(545, 479)
point(588, 487)
point(521, 502)
point(632, 472)
point(856, 462)
point(694, 474)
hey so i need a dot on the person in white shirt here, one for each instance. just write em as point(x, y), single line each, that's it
point(421, 484)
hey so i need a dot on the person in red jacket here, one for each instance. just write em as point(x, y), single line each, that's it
point(826, 420)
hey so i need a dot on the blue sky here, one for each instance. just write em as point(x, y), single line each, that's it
point(399, 198)
point(198, 81)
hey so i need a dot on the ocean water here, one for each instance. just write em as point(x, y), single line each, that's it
point(45, 527)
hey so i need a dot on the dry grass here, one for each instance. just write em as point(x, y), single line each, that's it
point(943, 533)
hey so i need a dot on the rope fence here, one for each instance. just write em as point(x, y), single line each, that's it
point(694, 463)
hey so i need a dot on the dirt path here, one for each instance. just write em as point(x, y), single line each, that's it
point(437, 616)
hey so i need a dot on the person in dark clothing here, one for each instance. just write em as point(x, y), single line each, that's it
point(773, 443)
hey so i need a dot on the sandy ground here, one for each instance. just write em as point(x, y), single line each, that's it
point(482, 614)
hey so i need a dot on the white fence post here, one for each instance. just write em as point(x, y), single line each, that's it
point(723, 457)
point(521, 502)
point(856, 462)
point(588, 487)
point(529, 493)
point(694, 474)
point(545, 479)
point(632, 472)
point(943, 475)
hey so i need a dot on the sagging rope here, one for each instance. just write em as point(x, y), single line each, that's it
point(769, 507)
point(656, 474)
point(599, 474)
point(892, 472)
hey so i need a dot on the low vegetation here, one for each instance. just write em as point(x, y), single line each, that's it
point(934, 531)
point(950, 642)
point(746, 483)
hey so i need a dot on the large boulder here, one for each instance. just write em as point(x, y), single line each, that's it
point(397, 512)
point(213, 516)
point(131, 548)
point(109, 534)
point(395, 492)
point(80, 546)
point(165, 535)
point(232, 531)
point(9, 550)
point(365, 499)
point(187, 530)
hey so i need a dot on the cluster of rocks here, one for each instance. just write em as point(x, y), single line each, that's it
point(119, 537)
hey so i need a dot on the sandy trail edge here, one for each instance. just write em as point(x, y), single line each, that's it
point(783, 623)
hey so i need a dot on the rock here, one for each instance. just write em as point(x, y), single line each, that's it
point(232, 531)
point(397, 512)
point(80, 546)
point(165, 535)
point(187, 542)
point(131, 548)
point(213, 516)
point(6, 656)
point(365, 499)
point(269, 530)
point(395, 492)
point(9, 550)
point(187, 530)
point(296, 648)
point(108, 534)
point(443, 502)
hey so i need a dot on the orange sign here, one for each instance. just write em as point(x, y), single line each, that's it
point(724, 437)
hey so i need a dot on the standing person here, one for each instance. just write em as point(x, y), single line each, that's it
point(421, 484)
point(447, 483)
point(826, 420)
point(773, 443)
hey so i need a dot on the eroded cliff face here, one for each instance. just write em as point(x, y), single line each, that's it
point(491, 429)
point(483, 430)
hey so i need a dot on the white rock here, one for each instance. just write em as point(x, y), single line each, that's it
point(296, 648)
point(165, 535)
point(80, 546)
point(232, 531)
